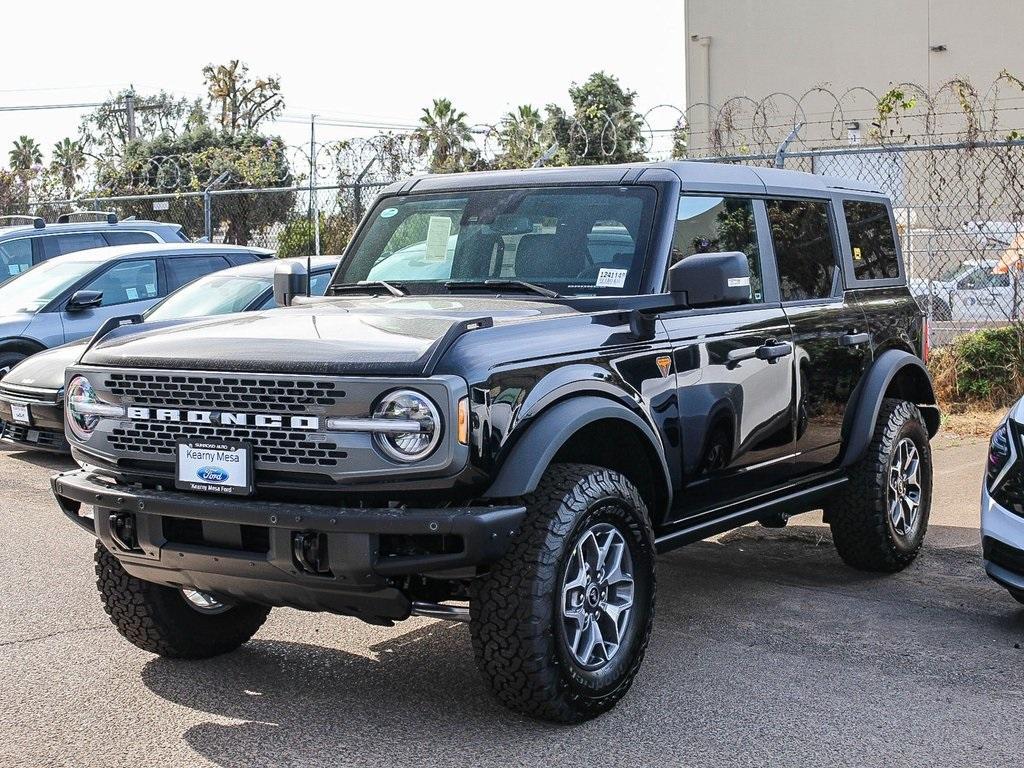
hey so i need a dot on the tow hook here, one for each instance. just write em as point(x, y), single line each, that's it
point(123, 531)
point(310, 551)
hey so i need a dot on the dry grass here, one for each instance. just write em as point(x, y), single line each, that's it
point(970, 421)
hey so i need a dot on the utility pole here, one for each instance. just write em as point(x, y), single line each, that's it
point(129, 109)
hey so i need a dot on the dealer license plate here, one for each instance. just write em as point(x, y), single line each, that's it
point(214, 467)
point(20, 413)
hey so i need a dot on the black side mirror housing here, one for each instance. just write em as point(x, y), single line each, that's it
point(711, 279)
point(82, 300)
point(291, 279)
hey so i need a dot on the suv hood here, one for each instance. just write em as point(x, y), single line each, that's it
point(334, 337)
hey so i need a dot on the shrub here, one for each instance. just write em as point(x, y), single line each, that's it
point(297, 238)
point(981, 368)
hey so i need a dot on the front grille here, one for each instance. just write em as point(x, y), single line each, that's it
point(269, 446)
point(1003, 555)
point(43, 438)
point(227, 393)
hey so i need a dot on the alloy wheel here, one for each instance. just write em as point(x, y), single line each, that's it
point(905, 489)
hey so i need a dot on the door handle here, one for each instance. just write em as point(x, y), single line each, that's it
point(854, 339)
point(773, 350)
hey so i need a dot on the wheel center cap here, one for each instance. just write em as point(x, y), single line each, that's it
point(593, 595)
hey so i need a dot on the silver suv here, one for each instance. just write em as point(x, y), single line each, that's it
point(29, 240)
point(68, 297)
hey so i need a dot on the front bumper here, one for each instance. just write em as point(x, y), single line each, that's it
point(45, 430)
point(1002, 534)
point(253, 550)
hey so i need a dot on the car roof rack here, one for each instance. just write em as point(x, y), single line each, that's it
point(37, 221)
point(110, 216)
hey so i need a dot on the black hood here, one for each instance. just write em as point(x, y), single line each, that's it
point(336, 337)
point(45, 370)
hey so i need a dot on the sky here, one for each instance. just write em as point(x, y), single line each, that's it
point(379, 61)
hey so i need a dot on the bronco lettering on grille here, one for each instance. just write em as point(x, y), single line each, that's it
point(265, 420)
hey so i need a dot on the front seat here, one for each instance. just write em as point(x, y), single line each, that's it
point(548, 257)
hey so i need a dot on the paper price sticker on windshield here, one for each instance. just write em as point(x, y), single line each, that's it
point(611, 278)
point(438, 231)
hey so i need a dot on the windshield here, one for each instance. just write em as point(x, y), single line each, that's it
point(35, 288)
point(574, 240)
point(211, 295)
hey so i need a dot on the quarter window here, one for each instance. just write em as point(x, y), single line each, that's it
point(80, 241)
point(804, 248)
point(126, 282)
point(872, 242)
point(129, 238)
point(708, 224)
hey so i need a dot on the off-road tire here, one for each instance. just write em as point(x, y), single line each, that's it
point(157, 619)
point(861, 527)
point(515, 608)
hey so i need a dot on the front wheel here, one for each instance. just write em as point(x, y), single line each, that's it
point(879, 518)
point(560, 624)
point(176, 623)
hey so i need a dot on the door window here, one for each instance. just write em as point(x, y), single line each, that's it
point(127, 281)
point(129, 238)
point(15, 257)
point(181, 271)
point(58, 245)
point(708, 224)
point(804, 249)
point(872, 241)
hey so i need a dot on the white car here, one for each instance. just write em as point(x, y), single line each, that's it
point(1002, 504)
point(974, 291)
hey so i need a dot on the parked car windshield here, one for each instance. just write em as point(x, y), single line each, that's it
point(35, 288)
point(211, 295)
point(576, 241)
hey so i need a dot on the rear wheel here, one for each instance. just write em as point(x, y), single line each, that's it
point(176, 623)
point(879, 518)
point(561, 623)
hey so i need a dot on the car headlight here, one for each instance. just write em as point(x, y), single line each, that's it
point(409, 425)
point(85, 408)
point(1001, 455)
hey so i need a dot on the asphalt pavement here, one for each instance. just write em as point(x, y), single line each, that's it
point(767, 650)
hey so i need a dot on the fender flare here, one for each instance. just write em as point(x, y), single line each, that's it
point(860, 425)
point(521, 470)
point(21, 343)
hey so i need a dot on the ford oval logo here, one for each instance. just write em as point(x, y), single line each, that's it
point(212, 474)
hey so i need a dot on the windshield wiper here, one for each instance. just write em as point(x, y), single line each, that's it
point(368, 286)
point(504, 283)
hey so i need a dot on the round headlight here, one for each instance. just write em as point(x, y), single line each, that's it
point(406, 405)
point(81, 393)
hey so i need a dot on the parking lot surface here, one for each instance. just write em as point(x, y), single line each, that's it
point(767, 650)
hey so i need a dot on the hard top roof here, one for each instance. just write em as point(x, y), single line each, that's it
point(112, 252)
point(6, 230)
point(695, 176)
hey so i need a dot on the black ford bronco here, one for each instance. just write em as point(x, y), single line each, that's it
point(519, 388)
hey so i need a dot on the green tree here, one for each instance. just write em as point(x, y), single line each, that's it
point(242, 104)
point(521, 137)
point(604, 126)
point(444, 134)
point(68, 161)
point(25, 153)
point(104, 132)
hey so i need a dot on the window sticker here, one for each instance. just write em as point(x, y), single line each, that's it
point(13, 269)
point(438, 231)
point(132, 294)
point(856, 255)
point(611, 278)
point(738, 282)
point(150, 289)
point(387, 213)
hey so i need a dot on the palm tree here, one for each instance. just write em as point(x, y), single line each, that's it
point(444, 133)
point(25, 154)
point(521, 137)
point(68, 160)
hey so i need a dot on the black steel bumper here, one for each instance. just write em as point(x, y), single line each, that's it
point(259, 550)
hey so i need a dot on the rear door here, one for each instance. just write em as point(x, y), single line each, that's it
point(832, 347)
point(736, 410)
point(129, 287)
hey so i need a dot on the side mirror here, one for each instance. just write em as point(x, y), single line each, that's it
point(82, 300)
point(291, 279)
point(710, 279)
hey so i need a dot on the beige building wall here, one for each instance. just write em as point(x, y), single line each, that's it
point(755, 48)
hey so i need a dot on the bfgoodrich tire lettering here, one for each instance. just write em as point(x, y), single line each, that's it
point(517, 620)
point(157, 618)
point(863, 529)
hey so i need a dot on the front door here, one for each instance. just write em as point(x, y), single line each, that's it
point(831, 343)
point(733, 366)
point(128, 288)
